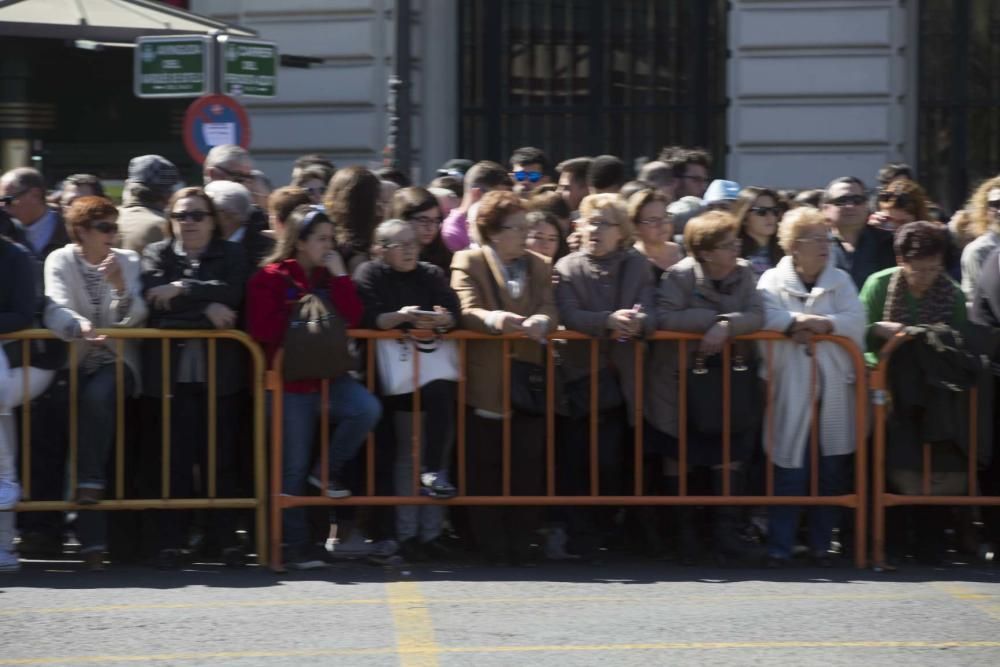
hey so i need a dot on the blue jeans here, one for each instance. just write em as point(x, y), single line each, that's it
point(354, 411)
point(783, 521)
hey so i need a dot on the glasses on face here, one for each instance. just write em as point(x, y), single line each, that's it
point(733, 245)
point(599, 224)
point(815, 240)
point(694, 177)
point(193, 216)
point(993, 204)
point(896, 200)
point(848, 200)
point(542, 238)
point(764, 210)
point(654, 222)
point(7, 200)
point(235, 176)
point(426, 220)
point(400, 245)
point(105, 227)
point(520, 229)
point(531, 176)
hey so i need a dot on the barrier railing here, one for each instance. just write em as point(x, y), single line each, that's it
point(116, 500)
point(883, 499)
point(855, 500)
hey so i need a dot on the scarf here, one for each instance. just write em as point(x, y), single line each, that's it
point(936, 305)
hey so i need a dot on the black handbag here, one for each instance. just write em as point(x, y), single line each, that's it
point(316, 343)
point(574, 395)
point(704, 391)
point(527, 387)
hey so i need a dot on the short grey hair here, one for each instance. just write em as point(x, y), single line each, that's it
point(25, 178)
point(388, 229)
point(656, 172)
point(226, 154)
point(230, 197)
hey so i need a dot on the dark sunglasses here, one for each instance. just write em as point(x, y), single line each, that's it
point(764, 210)
point(105, 227)
point(193, 216)
point(7, 200)
point(994, 204)
point(236, 176)
point(533, 176)
point(848, 200)
point(898, 201)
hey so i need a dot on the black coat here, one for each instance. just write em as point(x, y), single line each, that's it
point(384, 290)
point(873, 253)
point(220, 277)
point(18, 292)
point(256, 245)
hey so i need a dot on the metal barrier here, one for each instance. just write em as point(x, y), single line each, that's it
point(855, 501)
point(118, 501)
point(882, 498)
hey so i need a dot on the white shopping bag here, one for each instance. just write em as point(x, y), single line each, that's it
point(394, 356)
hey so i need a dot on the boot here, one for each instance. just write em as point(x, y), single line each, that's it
point(729, 543)
point(685, 534)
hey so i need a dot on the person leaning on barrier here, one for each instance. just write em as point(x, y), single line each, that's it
point(806, 295)
point(306, 260)
point(95, 285)
point(399, 292)
point(18, 299)
point(605, 290)
point(193, 279)
point(984, 210)
point(503, 288)
point(710, 292)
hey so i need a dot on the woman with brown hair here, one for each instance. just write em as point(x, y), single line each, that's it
point(421, 208)
point(900, 202)
point(352, 202)
point(654, 230)
point(503, 288)
point(759, 210)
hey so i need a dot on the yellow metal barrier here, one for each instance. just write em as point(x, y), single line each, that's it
point(118, 502)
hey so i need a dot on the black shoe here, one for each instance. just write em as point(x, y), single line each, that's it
point(40, 545)
point(824, 559)
point(438, 550)
point(413, 551)
point(307, 557)
point(776, 562)
point(234, 557)
point(168, 559)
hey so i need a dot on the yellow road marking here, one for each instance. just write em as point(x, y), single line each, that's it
point(414, 629)
point(960, 592)
point(568, 599)
point(433, 651)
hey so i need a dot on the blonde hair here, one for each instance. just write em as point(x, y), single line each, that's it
point(793, 222)
point(613, 208)
point(978, 209)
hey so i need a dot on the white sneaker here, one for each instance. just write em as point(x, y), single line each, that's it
point(355, 546)
point(10, 493)
point(9, 562)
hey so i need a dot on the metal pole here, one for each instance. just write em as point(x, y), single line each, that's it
point(399, 86)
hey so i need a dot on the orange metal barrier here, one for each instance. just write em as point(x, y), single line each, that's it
point(882, 498)
point(855, 501)
point(117, 501)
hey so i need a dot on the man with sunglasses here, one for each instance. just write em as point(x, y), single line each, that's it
point(22, 195)
point(859, 248)
point(529, 168)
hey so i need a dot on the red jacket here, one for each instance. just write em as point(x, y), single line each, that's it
point(269, 306)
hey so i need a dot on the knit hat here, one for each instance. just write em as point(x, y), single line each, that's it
point(154, 171)
point(720, 190)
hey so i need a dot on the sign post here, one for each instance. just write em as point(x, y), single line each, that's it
point(176, 66)
point(248, 67)
point(214, 120)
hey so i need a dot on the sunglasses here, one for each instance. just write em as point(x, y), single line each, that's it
point(235, 176)
point(898, 201)
point(193, 216)
point(764, 210)
point(7, 200)
point(105, 227)
point(532, 176)
point(848, 200)
point(993, 204)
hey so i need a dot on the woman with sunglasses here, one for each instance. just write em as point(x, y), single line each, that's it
point(900, 202)
point(95, 285)
point(984, 211)
point(194, 279)
point(758, 211)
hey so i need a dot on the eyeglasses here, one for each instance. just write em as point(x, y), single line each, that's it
point(105, 227)
point(818, 240)
point(405, 245)
point(7, 200)
point(654, 222)
point(543, 239)
point(694, 177)
point(764, 210)
point(520, 229)
point(235, 176)
point(848, 200)
point(193, 216)
point(735, 244)
point(897, 200)
point(426, 220)
point(531, 176)
point(598, 224)
point(993, 204)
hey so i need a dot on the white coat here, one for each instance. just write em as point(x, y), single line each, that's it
point(834, 296)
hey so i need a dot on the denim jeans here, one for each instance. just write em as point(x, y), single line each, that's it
point(96, 423)
point(354, 411)
point(783, 521)
point(422, 521)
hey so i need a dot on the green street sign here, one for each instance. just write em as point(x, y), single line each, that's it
point(248, 67)
point(178, 66)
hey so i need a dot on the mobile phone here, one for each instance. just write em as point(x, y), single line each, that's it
point(424, 313)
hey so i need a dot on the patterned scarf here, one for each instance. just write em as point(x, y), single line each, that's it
point(936, 306)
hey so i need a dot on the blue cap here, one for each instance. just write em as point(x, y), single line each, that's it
point(720, 190)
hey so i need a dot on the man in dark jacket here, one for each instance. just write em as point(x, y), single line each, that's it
point(22, 192)
point(234, 204)
point(860, 249)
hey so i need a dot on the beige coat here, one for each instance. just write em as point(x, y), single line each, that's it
point(476, 279)
point(589, 290)
point(689, 301)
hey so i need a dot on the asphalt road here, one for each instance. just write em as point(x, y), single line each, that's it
point(619, 614)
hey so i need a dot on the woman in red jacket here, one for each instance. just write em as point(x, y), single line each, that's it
point(305, 260)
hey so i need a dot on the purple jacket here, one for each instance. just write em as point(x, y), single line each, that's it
point(455, 231)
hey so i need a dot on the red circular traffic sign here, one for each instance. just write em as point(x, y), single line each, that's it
point(213, 120)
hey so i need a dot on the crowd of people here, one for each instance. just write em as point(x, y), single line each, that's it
point(529, 248)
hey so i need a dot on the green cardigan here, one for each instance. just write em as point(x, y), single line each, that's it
point(873, 296)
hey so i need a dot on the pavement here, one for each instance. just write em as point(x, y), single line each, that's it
point(622, 613)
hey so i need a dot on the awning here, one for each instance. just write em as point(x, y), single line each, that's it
point(104, 20)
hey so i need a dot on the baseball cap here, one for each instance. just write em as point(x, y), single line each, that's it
point(721, 190)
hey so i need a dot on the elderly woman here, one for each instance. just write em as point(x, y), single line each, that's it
point(654, 230)
point(193, 279)
point(605, 290)
point(758, 210)
point(806, 295)
point(97, 286)
point(711, 292)
point(984, 214)
point(422, 210)
point(400, 292)
point(503, 288)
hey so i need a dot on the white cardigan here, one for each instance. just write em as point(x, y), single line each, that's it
point(834, 296)
point(65, 286)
